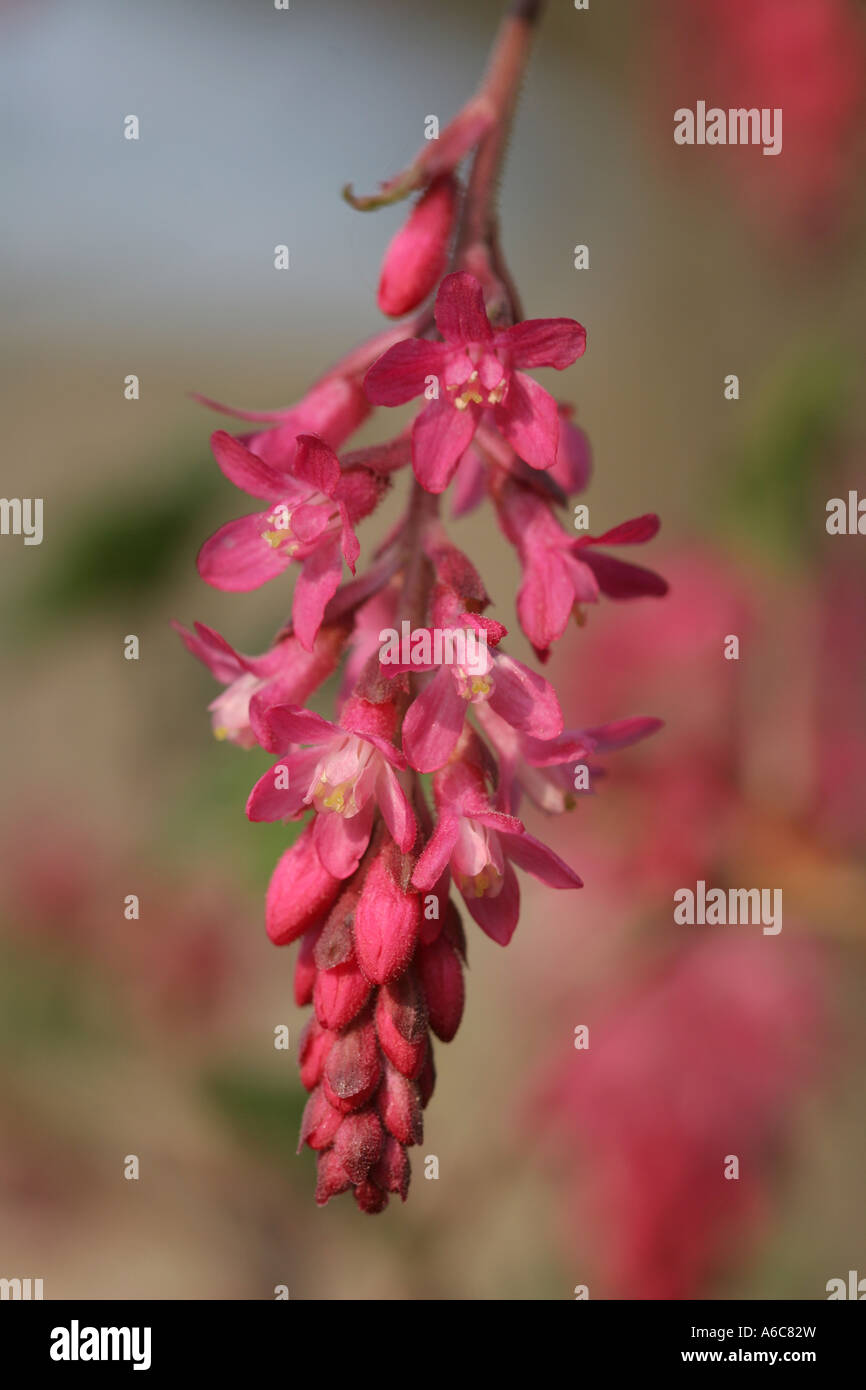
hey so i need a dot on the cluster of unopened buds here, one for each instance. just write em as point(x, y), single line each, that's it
point(366, 887)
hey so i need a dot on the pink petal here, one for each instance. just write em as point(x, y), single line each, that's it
point(546, 598)
point(395, 808)
point(469, 483)
point(460, 313)
point(543, 343)
point(440, 436)
point(433, 723)
point(525, 700)
point(633, 532)
point(341, 840)
point(317, 582)
point(529, 421)
point(433, 860)
point(401, 373)
point(317, 464)
point(214, 651)
point(620, 733)
point(236, 558)
point(267, 802)
point(498, 916)
point(246, 470)
point(619, 579)
point(287, 724)
point(536, 859)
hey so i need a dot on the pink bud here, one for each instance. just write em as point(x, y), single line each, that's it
point(358, 1143)
point(315, 1044)
point(401, 1024)
point(387, 921)
point(353, 1067)
point(331, 1178)
point(441, 976)
point(300, 891)
point(393, 1170)
point(370, 1198)
point(340, 994)
point(320, 1121)
point(417, 256)
point(305, 968)
point(400, 1106)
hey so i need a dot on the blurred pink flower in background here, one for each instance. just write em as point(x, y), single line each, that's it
point(807, 57)
point(704, 1060)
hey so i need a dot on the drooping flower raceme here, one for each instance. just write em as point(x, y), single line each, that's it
point(365, 887)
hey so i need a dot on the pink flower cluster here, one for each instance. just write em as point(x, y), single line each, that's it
point(366, 887)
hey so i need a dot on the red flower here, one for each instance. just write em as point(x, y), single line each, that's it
point(474, 372)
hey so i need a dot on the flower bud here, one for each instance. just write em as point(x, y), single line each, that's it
point(387, 921)
point(320, 1121)
point(340, 994)
point(331, 1178)
point(353, 1066)
point(305, 968)
point(441, 976)
point(300, 891)
point(399, 1106)
point(315, 1044)
point(418, 255)
point(359, 1143)
point(393, 1170)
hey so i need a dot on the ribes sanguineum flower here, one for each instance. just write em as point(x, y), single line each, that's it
point(365, 885)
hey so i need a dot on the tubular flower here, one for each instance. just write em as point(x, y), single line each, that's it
point(364, 886)
point(475, 372)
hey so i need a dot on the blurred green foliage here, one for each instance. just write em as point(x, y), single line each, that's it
point(776, 488)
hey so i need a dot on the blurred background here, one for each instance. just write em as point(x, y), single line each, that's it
point(154, 1037)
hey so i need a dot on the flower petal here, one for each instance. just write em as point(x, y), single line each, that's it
point(401, 373)
point(530, 421)
point(433, 723)
point(245, 469)
point(341, 840)
point(440, 436)
point(543, 343)
point(536, 859)
point(269, 801)
point(317, 582)
point(237, 558)
point(395, 808)
point(525, 700)
point(619, 579)
point(317, 464)
point(498, 916)
point(434, 858)
point(460, 313)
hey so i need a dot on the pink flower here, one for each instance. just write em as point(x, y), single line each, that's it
point(311, 521)
point(475, 372)
point(418, 254)
point(479, 844)
point(545, 768)
point(332, 409)
point(434, 720)
point(287, 674)
point(345, 772)
point(707, 1058)
point(560, 571)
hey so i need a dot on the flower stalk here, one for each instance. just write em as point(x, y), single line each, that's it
point(367, 889)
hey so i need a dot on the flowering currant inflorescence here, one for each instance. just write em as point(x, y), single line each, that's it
point(366, 888)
